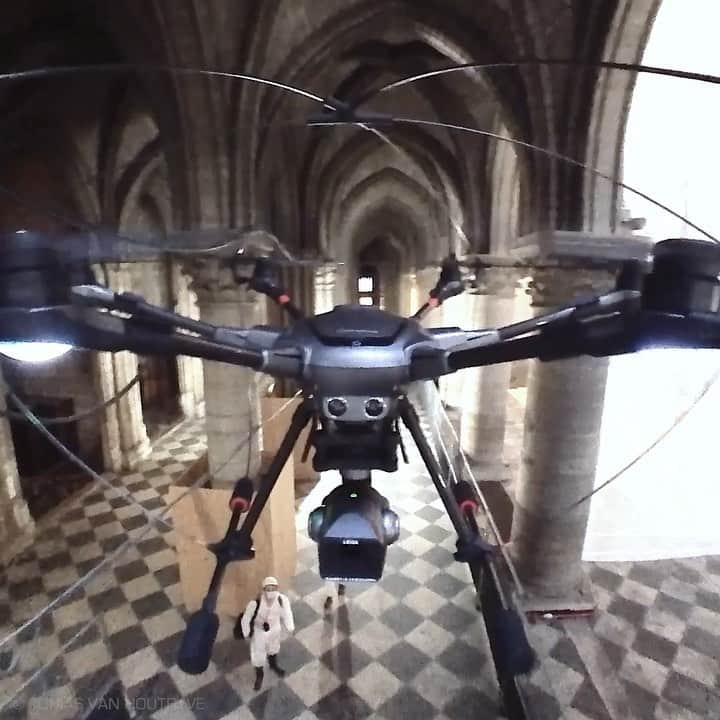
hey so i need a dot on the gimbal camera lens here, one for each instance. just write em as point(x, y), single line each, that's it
point(353, 528)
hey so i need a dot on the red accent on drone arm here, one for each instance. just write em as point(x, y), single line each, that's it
point(427, 306)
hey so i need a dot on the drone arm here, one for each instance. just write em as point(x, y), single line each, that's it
point(597, 337)
point(136, 305)
point(449, 284)
point(425, 308)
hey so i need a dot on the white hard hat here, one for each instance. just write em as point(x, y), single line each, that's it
point(270, 580)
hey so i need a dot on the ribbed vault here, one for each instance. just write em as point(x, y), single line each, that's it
point(221, 152)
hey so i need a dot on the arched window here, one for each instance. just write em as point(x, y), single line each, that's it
point(367, 285)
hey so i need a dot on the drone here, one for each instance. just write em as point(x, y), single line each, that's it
point(354, 366)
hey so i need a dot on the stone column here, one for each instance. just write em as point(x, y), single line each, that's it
point(408, 292)
point(104, 380)
point(231, 393)
point(415, 287)
point(324, 288)
point(456, 312)
point(190, 372)
point(124, 433)
point(484, 390)
point(15, 519)
point(562, 434)
point(523, 310)
point(425, 281)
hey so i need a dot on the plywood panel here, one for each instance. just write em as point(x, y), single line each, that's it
point(203, 515)
point(274, 432)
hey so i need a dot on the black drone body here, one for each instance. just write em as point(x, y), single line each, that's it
point(357, 411)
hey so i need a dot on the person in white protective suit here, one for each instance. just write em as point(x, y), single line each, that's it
point(262, 623)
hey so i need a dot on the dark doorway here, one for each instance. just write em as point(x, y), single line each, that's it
point(47, 476)
point(159, 394)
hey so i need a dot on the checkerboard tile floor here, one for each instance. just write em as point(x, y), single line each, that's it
point(412, 645)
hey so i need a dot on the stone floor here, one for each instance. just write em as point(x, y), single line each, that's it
point(412, 645)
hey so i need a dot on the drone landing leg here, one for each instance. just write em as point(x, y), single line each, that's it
point(202, 627)
point(512, 654)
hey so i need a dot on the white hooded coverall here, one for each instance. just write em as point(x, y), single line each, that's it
point(273, 613)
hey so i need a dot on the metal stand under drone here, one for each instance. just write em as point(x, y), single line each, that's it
point(512, 654)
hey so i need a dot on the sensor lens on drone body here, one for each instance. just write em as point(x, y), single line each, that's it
point(374, 407)
point(337, 407)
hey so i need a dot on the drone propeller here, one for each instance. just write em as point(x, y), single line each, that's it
point(232, 244)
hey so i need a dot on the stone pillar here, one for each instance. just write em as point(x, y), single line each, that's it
point(104, 380)
point(134, 442)
point(456, 312)
point(408, 292)
point(523, 310)
point(231, 394)
point(425, 281)
point(125, 437)
point(484, 390)
point(190, 370)
point(15, 519)
point(324, 289)
point(562, 434)
point(415, 287)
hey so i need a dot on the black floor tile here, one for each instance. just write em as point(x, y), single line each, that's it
point(278, 703)
point(445, 585)
point(404, 661)
point(463, 660)
point(588, 701)
point(151, 605)
point(401, 619)
point(126, 642)
point(398, 585)
point(471, 704)
point(454, 619)
point(107, 600)
point(690, 694)
point(214, 700)
point(342, 704)
point(655, 647)
point(406, 703)
point(345, 659)
point(130, 571)
point(631, 611)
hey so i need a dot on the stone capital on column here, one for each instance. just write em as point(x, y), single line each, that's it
point(212, 280)
point(552, 286)
point(500, 282)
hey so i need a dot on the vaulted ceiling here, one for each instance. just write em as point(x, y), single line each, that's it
point(183, 150)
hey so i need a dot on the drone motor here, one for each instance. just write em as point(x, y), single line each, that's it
point(685, 278)
point(35, 275)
